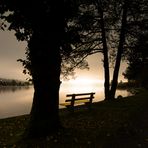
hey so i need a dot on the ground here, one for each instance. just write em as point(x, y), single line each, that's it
point(122, 123)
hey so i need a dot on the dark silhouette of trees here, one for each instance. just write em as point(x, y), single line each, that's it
point(120, 49)
point(110, 27)
point(131, 19)
point(137, 57)
point(137, 53)
point(99, 33)
point(105, 49)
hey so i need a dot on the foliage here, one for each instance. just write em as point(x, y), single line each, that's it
point(137, 69)
point(86, 32)
point(38, 23)
point(21, 21)
point(137, 53)
point(118, 36)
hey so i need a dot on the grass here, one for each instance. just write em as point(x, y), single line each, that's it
point(122, 123)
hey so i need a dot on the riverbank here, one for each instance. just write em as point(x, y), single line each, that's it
point(122, 123)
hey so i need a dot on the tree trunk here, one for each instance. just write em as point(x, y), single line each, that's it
point(46, 63)
point(119, 53)
point(106, 66)
point(105, 53)
point(44, 47)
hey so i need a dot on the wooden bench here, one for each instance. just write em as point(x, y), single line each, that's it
point(78, 99)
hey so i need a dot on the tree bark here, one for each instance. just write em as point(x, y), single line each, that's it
point(106, 64)
point(46, 63)
point(44, 47)
point(120, 51)
point(105, 53)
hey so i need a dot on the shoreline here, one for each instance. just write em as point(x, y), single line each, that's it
point(133, 92)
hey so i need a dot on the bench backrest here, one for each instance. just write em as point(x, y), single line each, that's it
point(82, 96)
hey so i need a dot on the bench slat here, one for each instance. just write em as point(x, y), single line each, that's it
point(76, 102)
point(76, 99)
point(70, 95)
point(65, 104)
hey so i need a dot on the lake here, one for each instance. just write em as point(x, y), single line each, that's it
point(16, 101)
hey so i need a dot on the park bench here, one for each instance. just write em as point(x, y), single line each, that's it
point(78, 99)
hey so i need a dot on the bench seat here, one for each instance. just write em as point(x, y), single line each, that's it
point(76, 102)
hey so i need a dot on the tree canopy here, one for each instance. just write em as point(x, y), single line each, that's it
point(38, 23)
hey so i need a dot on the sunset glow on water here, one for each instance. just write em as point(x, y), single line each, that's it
point(81, 86)
point(15, 102)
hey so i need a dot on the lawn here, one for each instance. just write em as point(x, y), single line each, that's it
point(122, 123)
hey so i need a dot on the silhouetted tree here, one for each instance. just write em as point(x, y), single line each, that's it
point(71, 59)
point(136, 50)
point(120, 50)
point(38, 23)
point(124, 21)
point(137, 57)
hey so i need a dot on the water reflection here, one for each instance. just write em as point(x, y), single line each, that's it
point(69, 88)
point(16, 101)
point(6, 89)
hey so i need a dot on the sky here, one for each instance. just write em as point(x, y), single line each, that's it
point(11, 50)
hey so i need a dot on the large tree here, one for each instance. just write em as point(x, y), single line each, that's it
point(41, 24)
point(135, 47)
point(121, 43)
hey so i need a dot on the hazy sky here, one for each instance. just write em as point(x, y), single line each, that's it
point(11, 50)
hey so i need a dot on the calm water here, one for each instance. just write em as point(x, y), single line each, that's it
point(17, 101)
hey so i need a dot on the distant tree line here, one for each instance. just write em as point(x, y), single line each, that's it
point(12, 82)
